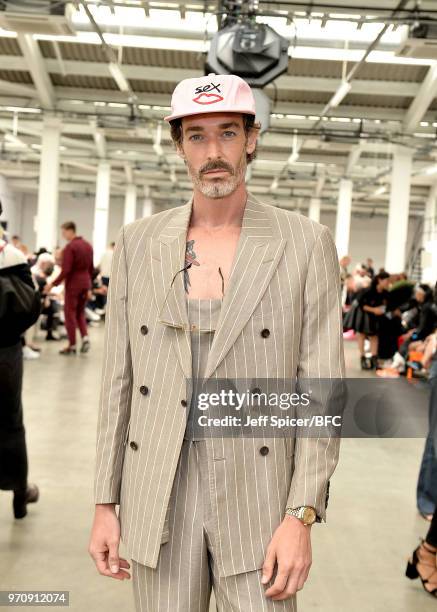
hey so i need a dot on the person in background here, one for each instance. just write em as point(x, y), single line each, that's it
point(361, 279)
point(13, 449)
point(42, 273)
point(423, 562)
point(369, 267)
point(421, 322)
point(371, 305)
point(427, 482)
point(16, 242)
point(77, 272)
point(105, 264)
point(344, 262)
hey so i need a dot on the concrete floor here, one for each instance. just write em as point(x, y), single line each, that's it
point(359, 555)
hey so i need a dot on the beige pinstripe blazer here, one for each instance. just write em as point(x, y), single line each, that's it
point(285, 278)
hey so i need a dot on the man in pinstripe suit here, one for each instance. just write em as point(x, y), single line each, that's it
point(230, 514)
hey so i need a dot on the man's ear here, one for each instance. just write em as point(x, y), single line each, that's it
point(180, 151)
point(251, 139)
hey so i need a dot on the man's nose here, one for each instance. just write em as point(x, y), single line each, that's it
point(214, 149)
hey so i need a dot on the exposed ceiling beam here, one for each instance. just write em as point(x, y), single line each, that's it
point(422, 101)
point(17, 89)
point(174, 75)
point(37, 68)
point(354, 156)
point(99, 140)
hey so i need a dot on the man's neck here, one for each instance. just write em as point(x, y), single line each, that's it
point(219, 212)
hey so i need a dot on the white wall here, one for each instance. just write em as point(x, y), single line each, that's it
point(368, 236)
point(11, 203)
point(71, 208)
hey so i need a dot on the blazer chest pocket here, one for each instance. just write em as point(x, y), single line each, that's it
point(268, 309)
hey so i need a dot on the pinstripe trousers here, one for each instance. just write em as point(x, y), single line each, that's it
point(185, 574)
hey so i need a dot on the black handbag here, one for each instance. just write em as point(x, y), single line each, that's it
point(20, 305)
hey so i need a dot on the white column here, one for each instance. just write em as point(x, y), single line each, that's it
point(101, 211)
point(314, 209)
point(397, 225)
point(147, 207)
point(343, 221)
point(130, 204)
point(429, 238)
point(46, 223)
point(429, 221)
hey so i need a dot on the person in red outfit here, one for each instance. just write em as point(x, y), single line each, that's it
point(77, 272)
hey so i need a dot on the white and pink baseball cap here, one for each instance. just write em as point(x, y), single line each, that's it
point(214, 93)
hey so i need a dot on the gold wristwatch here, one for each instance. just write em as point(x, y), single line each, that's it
point(306, 514)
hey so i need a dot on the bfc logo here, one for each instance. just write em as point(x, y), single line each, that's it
point(208, 94)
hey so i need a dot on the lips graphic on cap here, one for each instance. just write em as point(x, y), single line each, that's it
point(205, 98)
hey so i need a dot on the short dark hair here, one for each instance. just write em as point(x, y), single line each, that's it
point(249, 123)
point(382, 275)
point(69, 225)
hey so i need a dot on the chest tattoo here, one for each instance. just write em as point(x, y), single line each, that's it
point(190, 257)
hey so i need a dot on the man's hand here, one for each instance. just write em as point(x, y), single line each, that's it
point(104, 543)
point(47, 288)
point(290, 549)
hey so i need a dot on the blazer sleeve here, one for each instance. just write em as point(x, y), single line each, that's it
point(116, 385)
point(321, 356)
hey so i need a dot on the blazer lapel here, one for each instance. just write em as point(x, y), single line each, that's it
point(167, 259)
point(257, 256)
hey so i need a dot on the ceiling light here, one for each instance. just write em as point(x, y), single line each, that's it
point(380, 190)
point(340, 94)
point(21, 109)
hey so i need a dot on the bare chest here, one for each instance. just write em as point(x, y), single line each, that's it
point(211, 255)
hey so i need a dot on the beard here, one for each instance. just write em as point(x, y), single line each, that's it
point(216, 188)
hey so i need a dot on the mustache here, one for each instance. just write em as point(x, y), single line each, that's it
point(216, 165)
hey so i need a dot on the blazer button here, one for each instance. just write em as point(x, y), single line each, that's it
point(265, 333)
point(144, 329)
point(144, 390)
point(264, 450)
point(256, 390)
point(133, 445)
point(184, 403)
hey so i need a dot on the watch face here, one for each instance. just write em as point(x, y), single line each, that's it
point(309, 515)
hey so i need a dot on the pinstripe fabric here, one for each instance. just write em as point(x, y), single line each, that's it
point(203, 315)
point(285, 277)
point(186, 569)
point(186, 566)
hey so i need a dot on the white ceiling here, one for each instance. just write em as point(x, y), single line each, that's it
point(392, 101)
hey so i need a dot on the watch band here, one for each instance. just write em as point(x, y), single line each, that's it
point(306, 514)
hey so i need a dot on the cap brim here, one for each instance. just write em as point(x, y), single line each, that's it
point(207, 112)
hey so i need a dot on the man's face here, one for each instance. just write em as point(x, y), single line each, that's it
point(214, 147)
point(67, 234)
point(420, 295)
